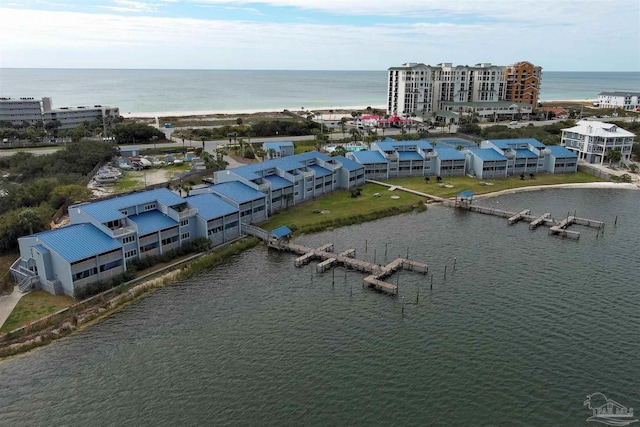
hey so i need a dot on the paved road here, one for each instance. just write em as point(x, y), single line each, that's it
point(210, 146)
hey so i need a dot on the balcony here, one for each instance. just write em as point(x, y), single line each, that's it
point(187, 213)
point(119, 232)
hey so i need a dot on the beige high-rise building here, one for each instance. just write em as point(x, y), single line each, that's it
point(416, 88)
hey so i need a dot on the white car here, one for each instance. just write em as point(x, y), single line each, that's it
point(513, 123)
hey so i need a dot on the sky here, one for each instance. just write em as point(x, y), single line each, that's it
point(559, 35)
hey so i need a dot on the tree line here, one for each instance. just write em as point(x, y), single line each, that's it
point(34, 187)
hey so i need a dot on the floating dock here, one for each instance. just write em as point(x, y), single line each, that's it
point(556, 228)
point(329, 259)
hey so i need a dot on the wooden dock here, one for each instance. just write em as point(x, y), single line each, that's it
point(329, 259)
point(556, 228)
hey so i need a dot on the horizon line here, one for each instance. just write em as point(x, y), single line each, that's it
point(265, 69)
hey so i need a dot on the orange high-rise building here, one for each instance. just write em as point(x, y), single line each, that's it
point(523, 83)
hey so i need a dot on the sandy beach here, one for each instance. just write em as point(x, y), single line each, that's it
point(601, 185)
point(225, 114)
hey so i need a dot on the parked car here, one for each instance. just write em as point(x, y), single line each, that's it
point(513, 123)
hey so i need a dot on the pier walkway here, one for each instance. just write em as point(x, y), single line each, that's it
point(558, 228)
point(329, 259)
point(408, 190)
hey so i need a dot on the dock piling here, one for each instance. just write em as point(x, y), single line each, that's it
point(454, 262)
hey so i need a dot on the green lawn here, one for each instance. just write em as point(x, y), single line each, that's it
point(33, 306)
point(300, 147)
point(461, 183)
point(341, 205)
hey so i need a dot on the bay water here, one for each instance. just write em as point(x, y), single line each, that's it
point(519, 333)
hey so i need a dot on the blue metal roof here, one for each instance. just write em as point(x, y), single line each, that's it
point(487, 154)
point(506, 143)
point(109, 210)
point(348, 164)
point(151, 221)
point(281, 231)
point(409, 155)
point(286, 164)
point(278, 182)
point(319, 171)
point(448, 153)
point(211, 206)
point(388, 145)
point(521, 153)
point(237, 191)
point(78, 241)
point(559, 151)
point(368, 157)
point(404, 145)
point(41, 249)
point(276, 145)
point(466, 193)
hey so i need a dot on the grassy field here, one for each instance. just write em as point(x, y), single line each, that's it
point(33, 306)
point(341, 205)
point(462, 183)
point(300, 147)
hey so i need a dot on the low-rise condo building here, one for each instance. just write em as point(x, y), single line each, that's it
point(447, 157)
point(35, 111)
point(629, 101)
point(105, 235)
point(592, 140)
point(19, 110)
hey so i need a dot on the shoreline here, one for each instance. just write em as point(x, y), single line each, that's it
point(583, 185)
point(324, 109)
point(248, 111)
point(92, 315)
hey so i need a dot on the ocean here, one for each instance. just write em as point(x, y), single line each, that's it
point(519, 333)
point(170, 92)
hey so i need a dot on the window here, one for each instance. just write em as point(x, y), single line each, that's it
point(150, 206)
point(129, 239)
point(184, 222)
point(184, 236)
point(131, 253)
point(170, 240)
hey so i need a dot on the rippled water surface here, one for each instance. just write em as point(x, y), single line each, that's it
point(518, 334)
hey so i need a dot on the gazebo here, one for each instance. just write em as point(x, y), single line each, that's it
point(464, 198)
point(280, 233)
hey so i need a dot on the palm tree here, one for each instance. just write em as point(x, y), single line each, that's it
point(339, 151)
point(355, 133)
point(343, 122)
point(613, 156)
point(30, 220)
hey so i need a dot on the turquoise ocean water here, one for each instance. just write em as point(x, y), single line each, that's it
point(182, 91)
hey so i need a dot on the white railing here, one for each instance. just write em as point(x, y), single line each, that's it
point(117, 232)
point(187, 213)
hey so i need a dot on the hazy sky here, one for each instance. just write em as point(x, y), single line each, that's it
point(559, 35)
